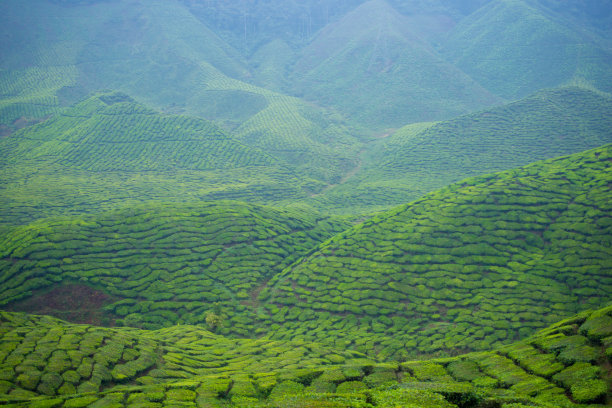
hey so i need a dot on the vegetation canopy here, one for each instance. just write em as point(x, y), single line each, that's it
point(314, 203)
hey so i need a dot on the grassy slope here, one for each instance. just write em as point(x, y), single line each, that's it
point(109, 151)
point(514, 49)
point(46, 362)
point(479, 263)
point(370, 66)
point(165, 263)
point(421, 158)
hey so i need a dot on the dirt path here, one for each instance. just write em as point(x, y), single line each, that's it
point(351, 173)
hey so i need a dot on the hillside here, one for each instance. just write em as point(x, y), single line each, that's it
point(156, 265)
point(421, 158)
point(306, 203)
point(55, 52)
point(474, 265)
point(110, 151)
point(372, 67)
point(514, 48)
point(163, 56)
point(46, 362)
point(461, 269)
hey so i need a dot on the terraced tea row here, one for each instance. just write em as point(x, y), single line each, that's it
point(475, 265)
point(109, 151)
point(169, 263)
point(311, 140)
point(45, 362)
point(470, 267)
point(46, 356)
point(421, 158)
point(125, 136)
point(30, 94)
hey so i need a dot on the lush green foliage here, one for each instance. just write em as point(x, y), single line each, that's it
point(168, 263)
point(173, 62)
point(406, 62)
point(374, 67)
point(515, 47)
point(114, 213)
point(421, 158)
point(46, 362)
point(474, 265)
point(109, 151)
point(461, 269)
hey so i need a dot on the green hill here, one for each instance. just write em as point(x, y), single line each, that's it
point(110, 151)
point(421, 158)
point(474, 265)
point(372, 67)
point(480, 263)
point(157, 264)
point(514, 48)
point(46, 362)
point(56, 52)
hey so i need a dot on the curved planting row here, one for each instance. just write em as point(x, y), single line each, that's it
point(421, 158)
point(169, 263)
point(46, 356)
point(109, 151)
point(110, 132)
point(475, 265)
point(45, 362)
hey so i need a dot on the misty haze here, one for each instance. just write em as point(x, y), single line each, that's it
point(300, 204)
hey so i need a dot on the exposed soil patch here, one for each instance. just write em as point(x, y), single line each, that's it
point(25, 122)
point(76, 303)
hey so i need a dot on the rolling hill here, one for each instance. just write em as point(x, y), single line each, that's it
point(188, 192)
point(421, 158)
point(479, 263)
point(380, 64)
point(45, 362)
point(157, 265)
point(374, 68)
point(163, 56)
point(110, 151)
point(514, 48)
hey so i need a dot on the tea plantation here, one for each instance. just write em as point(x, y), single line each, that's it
point(45, 362)
point(423, 157)
point(164, 263)
point(109, 151)
point(475, 265)
point(306, 204)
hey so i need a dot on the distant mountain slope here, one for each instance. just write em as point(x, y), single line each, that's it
point(162, 55)
point(46, 362)
point(513, 48)
point(54, 53)
point(372, 67)
point(111, 132)
point(162, 263)
point(480, 263)
point(420, 158)
point(316, 142)
point(110, 151)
